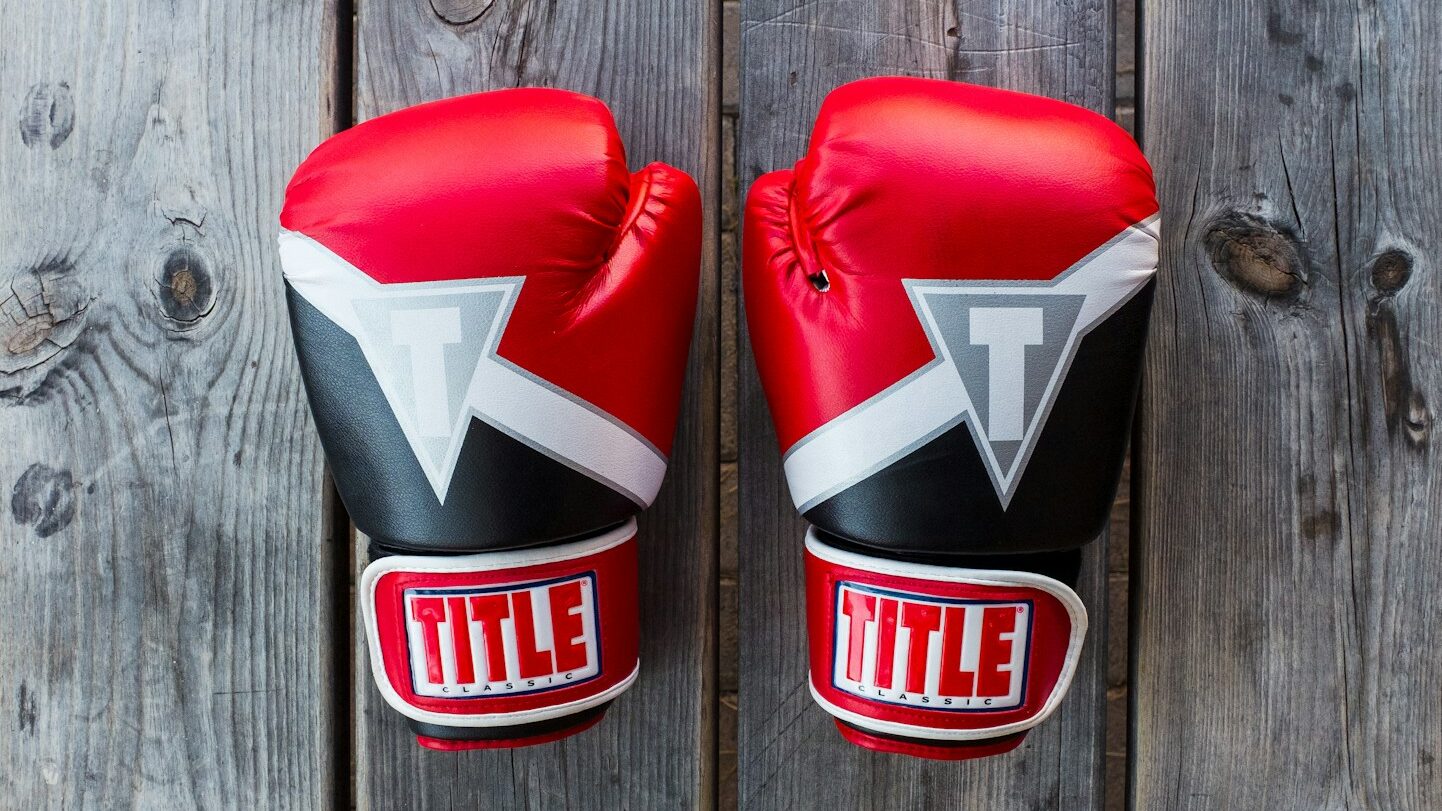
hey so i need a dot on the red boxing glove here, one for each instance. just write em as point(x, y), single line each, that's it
point(492, 318)
point(948, 299)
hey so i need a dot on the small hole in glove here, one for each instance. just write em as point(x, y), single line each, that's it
point(819, 281)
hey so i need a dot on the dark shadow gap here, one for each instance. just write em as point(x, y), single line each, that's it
point(1138, 472)
point(342, 558)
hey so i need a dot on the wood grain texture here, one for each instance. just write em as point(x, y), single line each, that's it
point(1288, 483)
point(166, 571)
point(790, 753)
point(655, 64)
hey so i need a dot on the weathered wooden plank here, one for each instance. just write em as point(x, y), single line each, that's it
point(166, 571)
point(655, 64)
point(1289, 490)
point(790, 753)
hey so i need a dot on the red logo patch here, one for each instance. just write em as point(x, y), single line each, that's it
point(502, 640)
point(932, 652)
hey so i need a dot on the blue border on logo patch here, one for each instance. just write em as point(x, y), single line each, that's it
point(862, 587)
point(472, 590)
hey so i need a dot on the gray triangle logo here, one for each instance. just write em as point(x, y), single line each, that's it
point(1002, 350)
point(425, 351)
point(1008, 349)
point(432, 347)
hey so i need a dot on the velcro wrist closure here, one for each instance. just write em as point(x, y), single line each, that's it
point(937, 653)
point(503, 638)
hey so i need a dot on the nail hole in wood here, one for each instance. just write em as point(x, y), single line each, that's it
point(1418, 421)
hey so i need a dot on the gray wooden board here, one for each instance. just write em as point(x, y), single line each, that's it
point(166, 577)
point(791, 755)
point(655, 64)
point(1288, 483)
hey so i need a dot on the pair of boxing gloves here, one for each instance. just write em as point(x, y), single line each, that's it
point(947, 299)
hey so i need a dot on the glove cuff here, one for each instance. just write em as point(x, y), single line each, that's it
point(504, 639)
point(933, 660)
point(934, 750)
point(463, 739)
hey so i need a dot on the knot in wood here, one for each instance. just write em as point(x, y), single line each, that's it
point(1256, 255)
point(186, 292)
point(28, 335)
point(49, 115)
point(460, 12)
point(41, 316)
point(1391, 269)
point(44, 498)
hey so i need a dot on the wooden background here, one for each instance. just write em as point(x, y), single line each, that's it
point(176, 618)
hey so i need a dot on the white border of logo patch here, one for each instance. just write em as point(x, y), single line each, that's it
point(505, 684)
point(936, 700)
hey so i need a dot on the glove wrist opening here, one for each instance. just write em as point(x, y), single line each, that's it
point(932, 750)
point(454, 739)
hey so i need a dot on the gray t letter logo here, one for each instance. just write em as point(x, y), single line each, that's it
point(1006, 332)
point(426, 333)
point(1002, 350)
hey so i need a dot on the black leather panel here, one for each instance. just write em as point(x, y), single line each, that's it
point(939, 500)
point(504, 494)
